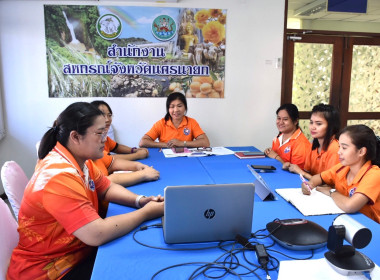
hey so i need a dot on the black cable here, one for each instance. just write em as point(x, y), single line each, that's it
point(228, 262)
point(142, 228)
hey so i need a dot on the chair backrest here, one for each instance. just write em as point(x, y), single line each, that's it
point(14, 183)
point(8, 237)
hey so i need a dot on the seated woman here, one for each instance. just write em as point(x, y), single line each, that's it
point(59, 224)
point(324, 125)
point(290, 145)
point(356, 177)
point(176, 129)
point(119, 150)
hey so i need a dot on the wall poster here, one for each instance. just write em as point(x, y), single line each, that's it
point(126, 51)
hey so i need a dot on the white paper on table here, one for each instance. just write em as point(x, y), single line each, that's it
point(317, 270)
point(316, 203)
point(218, 151)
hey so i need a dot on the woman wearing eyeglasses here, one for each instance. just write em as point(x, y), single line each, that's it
point(119, 150)
point(59, 223)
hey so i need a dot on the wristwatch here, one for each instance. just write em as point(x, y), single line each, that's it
point(137, 201)
point(332, 191)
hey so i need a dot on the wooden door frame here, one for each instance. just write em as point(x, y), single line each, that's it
point(346, 80)
point(341, 67)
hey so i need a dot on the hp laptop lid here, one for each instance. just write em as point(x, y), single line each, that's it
point(262, 189)
point(207, 212)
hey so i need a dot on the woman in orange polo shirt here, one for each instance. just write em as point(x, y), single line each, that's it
point(119, 150)
point(324, 125)
point(356, 177)
point(176, 129)
point(59, 224)
point(290, 145)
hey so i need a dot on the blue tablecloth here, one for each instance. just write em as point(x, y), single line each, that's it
point(124, 258)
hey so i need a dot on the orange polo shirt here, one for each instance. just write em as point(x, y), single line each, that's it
point(294, 150)
point(188, 130)
point(317, 162)
point(109, 145)
point(366, 182)
point(104, 163)
point(59, 199)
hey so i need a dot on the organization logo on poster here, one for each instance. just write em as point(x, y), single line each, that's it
point(109, 26)
point(164, 27)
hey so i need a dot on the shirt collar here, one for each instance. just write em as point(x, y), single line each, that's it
point(294, 136)
point(362, 171)
point(60, 149)
point(184, 122)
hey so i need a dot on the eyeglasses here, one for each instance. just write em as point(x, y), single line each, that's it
point(103, 135)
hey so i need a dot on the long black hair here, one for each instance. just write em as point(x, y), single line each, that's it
point(78, 116)
point(331, 115)
point(174, 96)
point(97, 103)
point(362, 136)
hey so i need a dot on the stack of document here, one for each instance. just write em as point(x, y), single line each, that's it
point(195, 152)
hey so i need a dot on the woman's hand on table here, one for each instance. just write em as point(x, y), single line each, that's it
point(175, 143)
point(142, 153)
point(150, 174)
point(270, 153)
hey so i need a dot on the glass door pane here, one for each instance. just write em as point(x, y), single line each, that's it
point(365, 79)
point(373, 124)
point(311, 74)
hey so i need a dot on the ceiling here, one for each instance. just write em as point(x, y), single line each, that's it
point(297, 9)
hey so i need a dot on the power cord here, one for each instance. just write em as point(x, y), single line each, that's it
point(228, 262)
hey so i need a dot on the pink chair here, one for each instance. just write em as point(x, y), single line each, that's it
point(8, 237)
point(14, 183)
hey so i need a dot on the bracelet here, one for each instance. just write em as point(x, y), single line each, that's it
point(133, 150)
point(137, 201)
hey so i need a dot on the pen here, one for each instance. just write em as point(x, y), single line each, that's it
point(306, 183)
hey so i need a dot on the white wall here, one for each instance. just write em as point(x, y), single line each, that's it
point(246, 116)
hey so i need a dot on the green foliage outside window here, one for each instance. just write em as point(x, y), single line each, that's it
point(311, 75)
point(365, 79)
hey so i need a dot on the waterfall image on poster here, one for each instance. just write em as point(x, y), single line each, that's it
point(127, 51)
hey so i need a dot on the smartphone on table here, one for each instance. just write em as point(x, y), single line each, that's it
point(263, 167)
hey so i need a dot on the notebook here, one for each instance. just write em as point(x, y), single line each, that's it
point(316, 203)
point(202, 213)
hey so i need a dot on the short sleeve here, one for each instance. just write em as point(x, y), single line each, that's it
point(299, 153)
point(65, 198)
point(329, 176)
point(197, 130)
point(155, 131)
point(110, 145)
point(369, 185)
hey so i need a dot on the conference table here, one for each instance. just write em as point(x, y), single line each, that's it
point(143, 254)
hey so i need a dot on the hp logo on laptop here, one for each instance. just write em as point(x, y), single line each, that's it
point(209, 213)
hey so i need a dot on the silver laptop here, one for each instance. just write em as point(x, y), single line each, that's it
point(203, 213)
